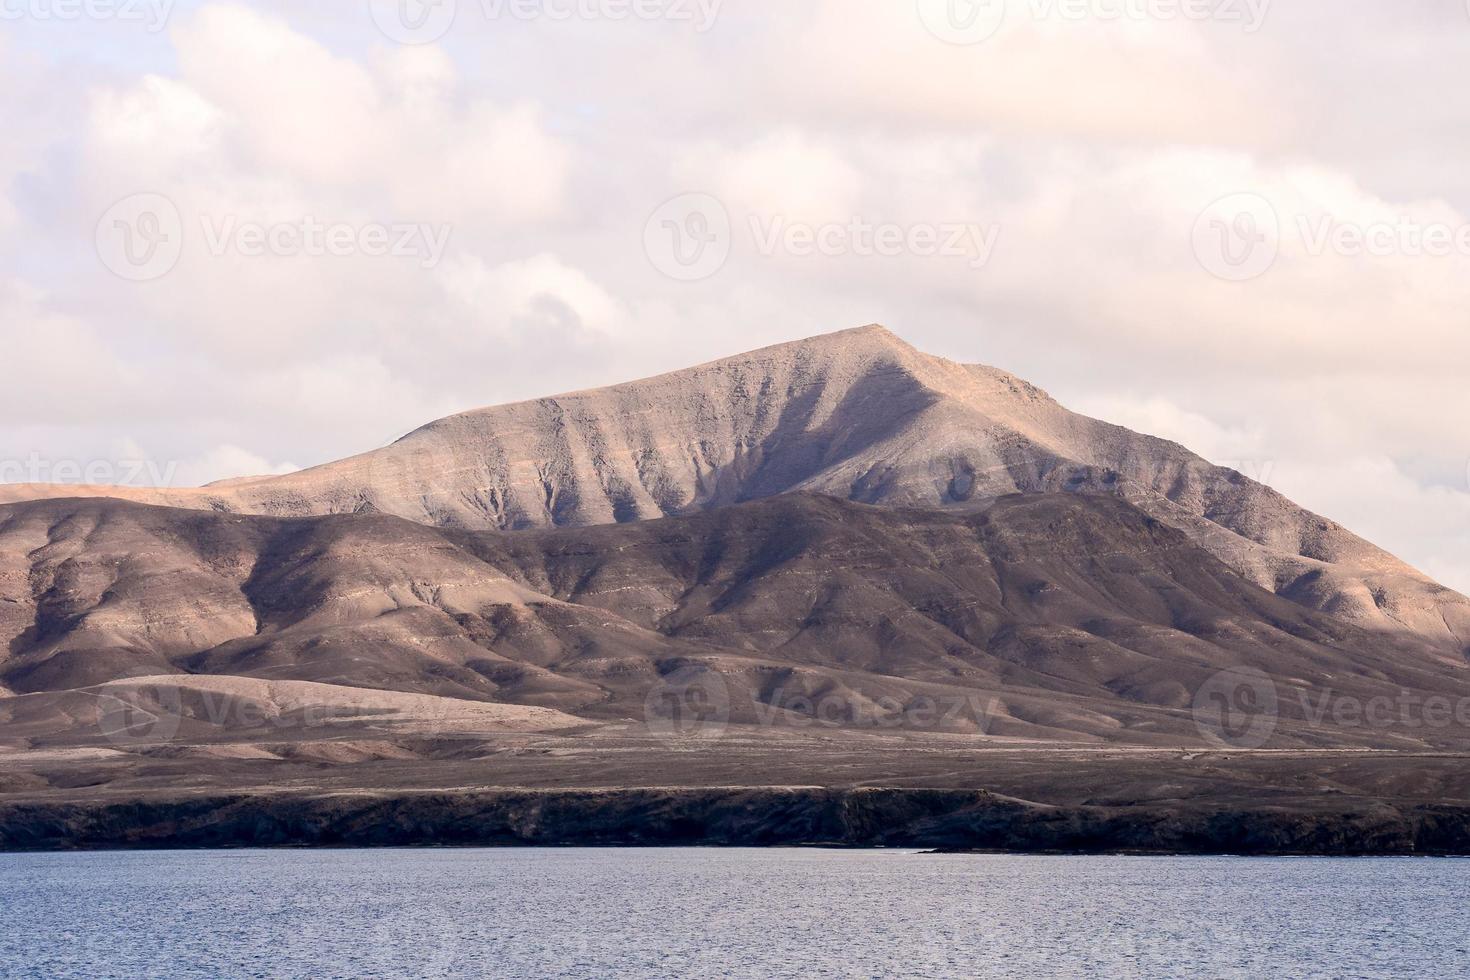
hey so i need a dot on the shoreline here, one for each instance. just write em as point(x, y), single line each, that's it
point(934, 820)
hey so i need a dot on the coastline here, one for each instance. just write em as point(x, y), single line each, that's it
point(948, 821)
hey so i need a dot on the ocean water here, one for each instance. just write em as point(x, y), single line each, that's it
point(724, 913)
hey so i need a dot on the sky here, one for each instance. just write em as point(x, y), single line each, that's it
point(242, 238)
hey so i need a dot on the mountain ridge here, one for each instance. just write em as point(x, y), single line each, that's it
point(857, 414)
point(1045, 617)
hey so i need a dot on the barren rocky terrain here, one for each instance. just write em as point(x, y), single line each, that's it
point(731, 605)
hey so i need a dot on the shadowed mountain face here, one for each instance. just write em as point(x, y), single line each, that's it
point(1046, 616)
point(857, 415)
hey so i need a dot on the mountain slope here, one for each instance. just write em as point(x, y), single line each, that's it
point(859, 415)
point(1043, 616)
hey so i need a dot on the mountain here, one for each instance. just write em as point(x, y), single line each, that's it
point(858, 415)
point(837, 590)
point(1042, 617)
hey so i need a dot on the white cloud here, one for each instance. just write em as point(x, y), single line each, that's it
point(539, 295)
point(1429, 525)
point(787, 173)
point(1090, 78)
point(159, 127)
point(223, 463)
point(1093, 145)
point(396, 135)
point(1160, 417)
point(293, 106)
point(61, 369)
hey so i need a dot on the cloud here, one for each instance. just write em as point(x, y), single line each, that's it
point(1090, 78)
point(1094, 147)
point(158, 126)
point(292, 106)
point(1427, 525)
point(226, 462)
point(257, 103)
point(261, 127)
point(788, 173)
point(1160, 417)
point(396, 129)
point(63, 370)
point(540, 295)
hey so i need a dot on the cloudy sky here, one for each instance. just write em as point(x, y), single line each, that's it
point(248, 237)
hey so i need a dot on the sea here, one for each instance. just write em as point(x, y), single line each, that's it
point(650, 913)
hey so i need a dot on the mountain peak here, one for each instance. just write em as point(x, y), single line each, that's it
point(872, 335)
point(858, 414)
point(872, 339)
